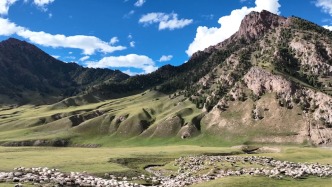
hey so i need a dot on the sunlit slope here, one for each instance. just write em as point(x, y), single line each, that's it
point(150, 114)
point(149, 118)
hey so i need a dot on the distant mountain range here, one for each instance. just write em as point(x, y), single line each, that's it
point(30, 76)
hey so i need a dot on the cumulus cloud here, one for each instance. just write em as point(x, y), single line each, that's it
point(84, 58)
point(8, 28)
point(328, 27)
point(326, 5)
point(132, 44)
point(142, 62)
point(165, 58)
point(229, 24)
point(166, 21)
point(139, 3)
point(114, 40)
point(42, 3)
point(89, 44)
point(4, 6)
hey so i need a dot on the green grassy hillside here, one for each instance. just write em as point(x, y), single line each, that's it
point(149, 118)
point(144, 116)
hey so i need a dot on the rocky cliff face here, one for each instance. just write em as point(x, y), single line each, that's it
point(256, 24)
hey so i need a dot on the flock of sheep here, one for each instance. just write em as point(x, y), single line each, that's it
point(191, 170)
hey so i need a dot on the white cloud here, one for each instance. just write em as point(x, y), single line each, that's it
point(142, 62)
point(132, 44)
point(4, 6)
point(84, 58)
point(139, 3)
point(56, 56)
point(8, 28)
point(328, 27)
point(130, 36)
point(89, 44)
point(229, 24)
point(165, 58)
point(326, 5)
point(166, 21)
point(114, 40)
point(42, 3)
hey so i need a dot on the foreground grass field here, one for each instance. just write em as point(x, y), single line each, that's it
point(93, 160)
point(250, 181)
point(131, 161)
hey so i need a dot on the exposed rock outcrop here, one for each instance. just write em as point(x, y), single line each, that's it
point(256, 24)
point(261, 81)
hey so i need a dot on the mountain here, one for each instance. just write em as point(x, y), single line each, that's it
point(170, 79)
point(268, 83)
point(29, 75)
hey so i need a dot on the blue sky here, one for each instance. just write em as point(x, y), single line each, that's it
point(138, 36)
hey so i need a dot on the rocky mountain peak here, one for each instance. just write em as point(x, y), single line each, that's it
point(257, 23)
point(253, 26)
point(13, 42)
point(18, 47)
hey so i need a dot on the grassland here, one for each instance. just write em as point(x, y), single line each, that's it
point(250, 181)
point(131, 161)
point(96, 160)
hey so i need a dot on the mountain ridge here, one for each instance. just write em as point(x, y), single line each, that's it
point(25, 68)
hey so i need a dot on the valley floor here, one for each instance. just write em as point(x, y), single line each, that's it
point(131, 162)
